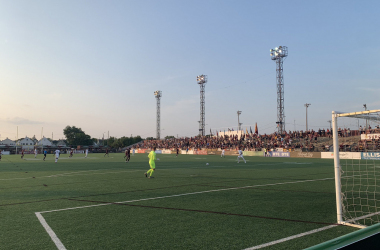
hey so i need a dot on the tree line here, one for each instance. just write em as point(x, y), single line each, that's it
point(76, 136)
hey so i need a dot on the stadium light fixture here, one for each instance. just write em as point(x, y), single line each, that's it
point(366, 120)
point(202, 80)
point(306, 105)
point(278, 54)
point(158, 95)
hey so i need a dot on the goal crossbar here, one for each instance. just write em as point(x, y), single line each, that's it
point(368, 114)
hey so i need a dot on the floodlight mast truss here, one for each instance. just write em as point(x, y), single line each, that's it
point(278, 54)
point(158, 95)
point(202, 80)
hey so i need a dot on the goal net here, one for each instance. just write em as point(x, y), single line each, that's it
point(357, 173)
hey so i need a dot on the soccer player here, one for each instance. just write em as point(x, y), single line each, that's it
point(127, 155)
point(22, 154)
point(0, 155)
point(57, 152)
point(35, 153)
point(71, 153)
point(133, 151)
point(222, 155)
point(106, 153)
point(177, 152)
point(240, 156)
point(45, 152)
point(152, 163)
point(86, 153)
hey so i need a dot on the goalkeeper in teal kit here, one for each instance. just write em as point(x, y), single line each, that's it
point(152, 163)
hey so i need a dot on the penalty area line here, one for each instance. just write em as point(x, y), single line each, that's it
point(50, 231)
point(290, 238)
point(60, 246)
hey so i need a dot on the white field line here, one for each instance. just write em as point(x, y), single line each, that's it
point(76, 173)
point(51, 233)
point(290, 238)
point(59, 244)
point(185, 194)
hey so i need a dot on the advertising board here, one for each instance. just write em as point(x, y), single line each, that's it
point(200, 152)
point(279, 154)
point(190, 152)
point(342, 155)
point(305, 154)
point(253, 153)
point(370, 136)
point(371, 155)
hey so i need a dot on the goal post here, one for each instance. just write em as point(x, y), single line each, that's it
point(356, 187)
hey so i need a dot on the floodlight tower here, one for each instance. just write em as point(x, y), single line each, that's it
point(158, 95)
point(307, 105)
point(202, 80)
point(366, 120)
point(278, 54)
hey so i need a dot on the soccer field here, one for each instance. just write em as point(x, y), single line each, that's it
point(104, 203)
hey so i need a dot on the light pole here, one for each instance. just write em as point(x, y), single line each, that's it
point(329, 121)
point(202, 80)
point(239, 113)
point(158, 95)
point(307, 105)
point(366, 120)
point(278, 54)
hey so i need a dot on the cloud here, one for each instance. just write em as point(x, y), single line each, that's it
point(20, 121)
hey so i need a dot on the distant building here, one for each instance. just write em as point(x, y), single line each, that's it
point(8, 142)
point(26, 143)
point(61, 143)
point(44, 142)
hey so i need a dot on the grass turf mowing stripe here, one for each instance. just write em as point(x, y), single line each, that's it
point(291, 237)
point(201, 192)
point(56, 240)
point(205, 211)
point(50, 231)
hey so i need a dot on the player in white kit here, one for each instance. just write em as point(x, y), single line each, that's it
point(222, 155)
point(57, 152)
point(35, 153)
point(86, 153)
point(240, 156)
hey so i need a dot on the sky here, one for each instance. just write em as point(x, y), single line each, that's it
point(96, 64)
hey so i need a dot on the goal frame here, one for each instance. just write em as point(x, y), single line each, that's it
point(337, 168)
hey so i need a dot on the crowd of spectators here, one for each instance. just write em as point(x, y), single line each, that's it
point(302, 140)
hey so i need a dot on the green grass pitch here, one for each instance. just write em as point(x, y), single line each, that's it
point(105, 203)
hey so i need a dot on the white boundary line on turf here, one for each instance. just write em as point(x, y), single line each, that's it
point(75, 174)
point(51, 233)
point(290, 238)
point(59, 244)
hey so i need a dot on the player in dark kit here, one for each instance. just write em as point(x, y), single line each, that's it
point(22, 154)
point(177, 152)
point(71, 153)
point(127, 155)
point(106, 153)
